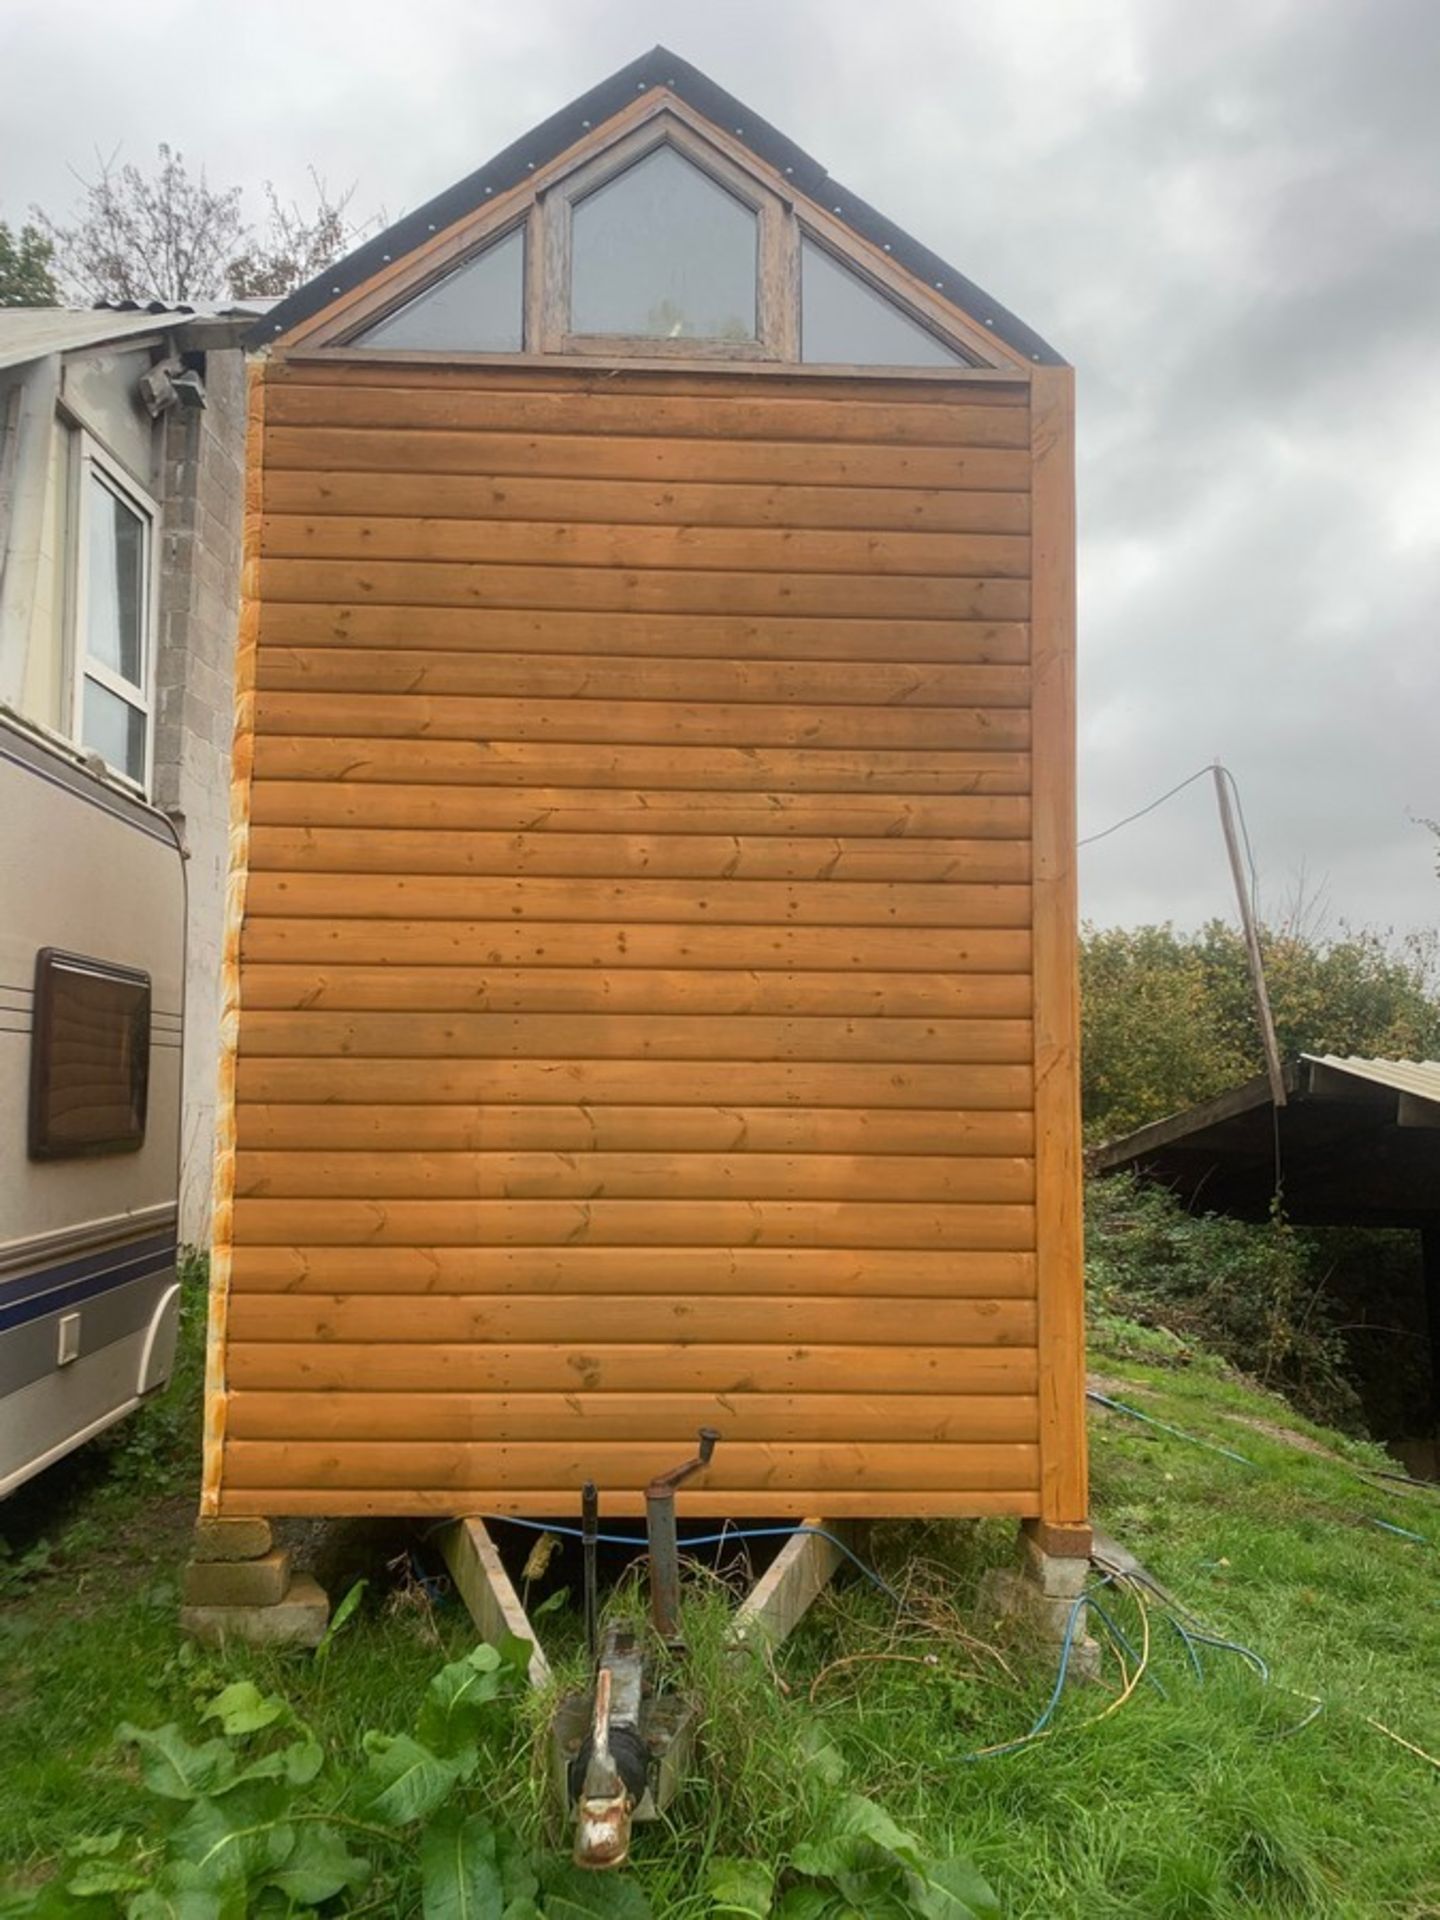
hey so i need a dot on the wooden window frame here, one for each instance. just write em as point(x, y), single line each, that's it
point(545, 207)
point(555, 211)
point(523, 224)
point(92, 462)
point(847, 262)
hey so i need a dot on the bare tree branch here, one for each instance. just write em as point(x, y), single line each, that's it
point(170, 236)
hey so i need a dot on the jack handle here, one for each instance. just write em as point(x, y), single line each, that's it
point(664, 1543)
point(665, 1483)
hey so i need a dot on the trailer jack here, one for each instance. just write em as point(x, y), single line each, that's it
point(621, 1749)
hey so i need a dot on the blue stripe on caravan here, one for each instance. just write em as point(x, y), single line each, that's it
point(33, 1295)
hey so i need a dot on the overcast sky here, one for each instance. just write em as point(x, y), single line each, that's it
point(1226, 215)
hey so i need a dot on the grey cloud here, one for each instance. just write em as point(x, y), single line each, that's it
point(1228, 217)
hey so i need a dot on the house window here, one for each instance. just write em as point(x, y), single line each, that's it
point(113, 619)
point(663, 252)
point(479, 308)
point(846, 322)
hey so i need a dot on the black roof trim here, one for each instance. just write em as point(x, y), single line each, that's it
point(658, 68)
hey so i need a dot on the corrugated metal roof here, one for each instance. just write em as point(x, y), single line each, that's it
point(28, 333)
point(1420, 1078)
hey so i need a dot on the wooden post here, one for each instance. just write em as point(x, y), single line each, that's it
point(1430, 1280)
point(1273, 1065)
point(1059, 1244)
point(790, 1585)
point(488, 1592)
point(222, 1231)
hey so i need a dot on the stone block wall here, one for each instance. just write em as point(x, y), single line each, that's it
point(202, 507)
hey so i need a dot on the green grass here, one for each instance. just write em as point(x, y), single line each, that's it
point(1200, 1803)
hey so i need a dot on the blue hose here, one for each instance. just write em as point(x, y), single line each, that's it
point(706, 1540)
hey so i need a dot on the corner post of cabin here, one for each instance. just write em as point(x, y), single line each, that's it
point(242, 761)
point(1061, 1525)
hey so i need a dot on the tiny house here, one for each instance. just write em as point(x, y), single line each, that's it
point(650, 974)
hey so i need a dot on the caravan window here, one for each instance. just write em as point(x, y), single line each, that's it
point(90, 1057)
point(113, 563)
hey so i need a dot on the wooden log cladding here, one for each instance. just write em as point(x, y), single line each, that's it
point(629, 1366)
point(419, 850)
point(619, 902)
point(783, 1083)
point(640, 990)
point(766, 1321)
point(645, 722)
point(637, 980)
point(412, 944)
point(744, 769)
point(305, 803)
point(656, 1417)
point(631, 1036)
point(735, 1503)
point(864, 683)
point(634, 1129)
point(713, 549)
point(607, 637)
point(703, 415)
point(426, 583)
point(603, 1271)
point(775, 1469)
point(677, 1223)
point(598, 1175)
point(578, 456)
point(578, 502)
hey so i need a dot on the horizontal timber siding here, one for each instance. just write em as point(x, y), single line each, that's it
point(636, 975)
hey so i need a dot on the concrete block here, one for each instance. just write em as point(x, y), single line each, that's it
point(1007, 1595)
point(237, 1537)
point(1059, 1577)
point(238, 1583)
point(299, 1620)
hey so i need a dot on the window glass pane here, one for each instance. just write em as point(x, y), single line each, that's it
point(90, 1057)
point(664, 253)
point(479, 308)
point(845, 322)
point(114, 729)
point(115, 583)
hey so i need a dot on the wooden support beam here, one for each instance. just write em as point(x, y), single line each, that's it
point(791, 1584)
point(488, 1591)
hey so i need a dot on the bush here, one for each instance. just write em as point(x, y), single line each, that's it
point(1169, 1018)
point(1253, 1294)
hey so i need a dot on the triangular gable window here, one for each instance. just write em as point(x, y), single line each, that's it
point(844, 321)
point(478, 308)
point(662, 242)
point(663, 252)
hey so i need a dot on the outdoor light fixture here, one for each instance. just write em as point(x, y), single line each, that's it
point(172, 384)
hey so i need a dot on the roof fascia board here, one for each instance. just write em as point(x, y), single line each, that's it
point(662, 77)
point(1115, 1154)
